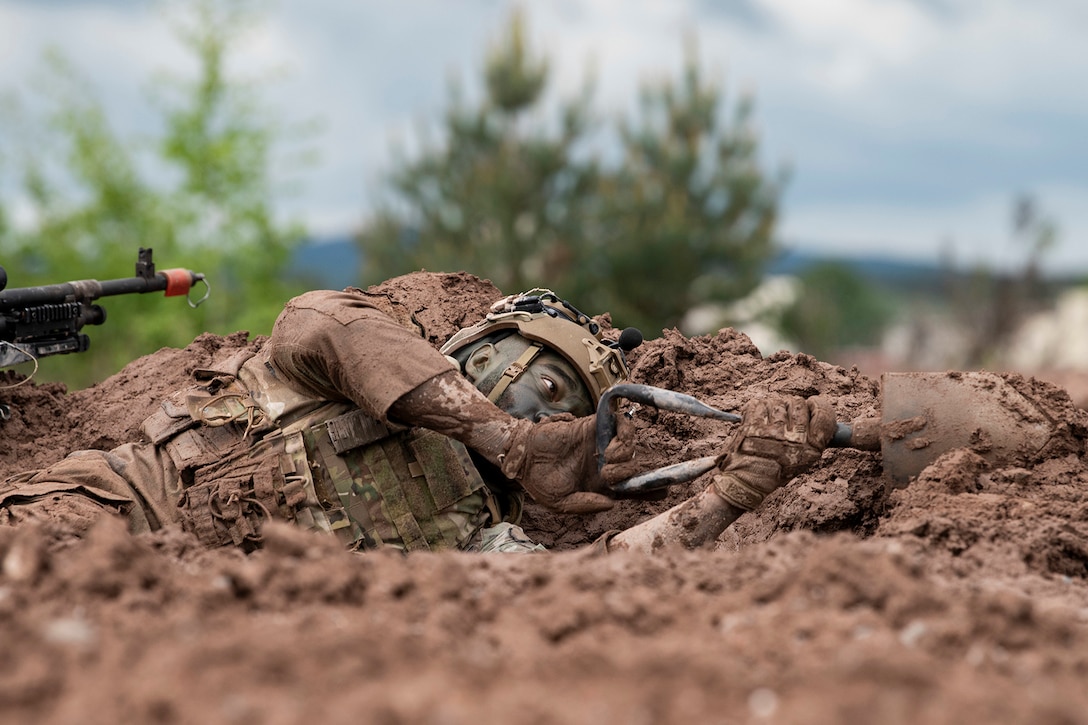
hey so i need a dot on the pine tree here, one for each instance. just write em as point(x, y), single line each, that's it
point(689, 215)
point(685, 216)
point(501, 196)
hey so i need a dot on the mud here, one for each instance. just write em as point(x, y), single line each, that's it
point(960, 597)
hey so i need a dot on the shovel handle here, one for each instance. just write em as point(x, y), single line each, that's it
point(660, 398)
point(664, 399)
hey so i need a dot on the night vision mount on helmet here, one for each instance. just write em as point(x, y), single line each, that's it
point(551, 323)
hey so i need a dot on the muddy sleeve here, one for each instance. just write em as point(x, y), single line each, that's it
point(343, 346)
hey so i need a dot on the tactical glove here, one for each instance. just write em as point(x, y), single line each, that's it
point(779, 437)
point(555, 461)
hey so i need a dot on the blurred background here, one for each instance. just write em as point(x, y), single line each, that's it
point(891, 184)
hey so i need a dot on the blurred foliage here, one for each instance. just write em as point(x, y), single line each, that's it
point(685, 215)
point(93, 203)
point(689, 216)
point(500, 197)
point(836, 308)
point(991, 305)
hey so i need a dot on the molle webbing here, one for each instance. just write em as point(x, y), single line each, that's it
point(311, 506)
point(369, 483)
point(230, 485)
point(413, 490)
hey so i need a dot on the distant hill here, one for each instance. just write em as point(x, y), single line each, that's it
point(335, 263)
point(869, 266)
point(329, 262)
point(878, 270)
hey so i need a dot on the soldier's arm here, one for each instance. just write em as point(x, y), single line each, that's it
point(691, 524)
point(340, 346)
point(779, 438)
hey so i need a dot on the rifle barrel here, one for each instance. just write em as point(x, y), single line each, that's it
point(92, 289)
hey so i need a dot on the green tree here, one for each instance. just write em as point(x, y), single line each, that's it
point(836, 308)
point(96, 198)
point(689, 215)
point(501, 195)
point(684, 216)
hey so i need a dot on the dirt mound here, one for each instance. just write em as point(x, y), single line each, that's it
point(962, 597)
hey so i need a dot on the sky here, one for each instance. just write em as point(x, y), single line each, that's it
point(909, 126)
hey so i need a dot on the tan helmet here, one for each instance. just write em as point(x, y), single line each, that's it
point(552, 323)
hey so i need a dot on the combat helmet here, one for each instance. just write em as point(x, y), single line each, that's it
point(551, 323)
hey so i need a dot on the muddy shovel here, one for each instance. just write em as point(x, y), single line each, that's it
point(926, 414)
point(922, 416)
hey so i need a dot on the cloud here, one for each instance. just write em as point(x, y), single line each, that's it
point(899, 116)
point(973, 232)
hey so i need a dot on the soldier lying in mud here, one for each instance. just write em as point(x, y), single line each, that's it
point(346, 421)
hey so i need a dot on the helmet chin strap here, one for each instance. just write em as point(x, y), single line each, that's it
point(514, 371)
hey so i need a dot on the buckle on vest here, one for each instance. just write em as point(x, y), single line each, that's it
point(355, 428)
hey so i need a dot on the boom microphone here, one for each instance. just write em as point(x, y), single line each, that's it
point(630, 338)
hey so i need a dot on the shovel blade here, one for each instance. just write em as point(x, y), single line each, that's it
point(978, 410)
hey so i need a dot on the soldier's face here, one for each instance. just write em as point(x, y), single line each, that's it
point(549, 386)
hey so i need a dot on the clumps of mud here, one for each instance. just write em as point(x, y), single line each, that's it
point(962, 597)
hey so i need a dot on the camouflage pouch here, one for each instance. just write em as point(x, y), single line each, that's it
point(415, 490)
point(226, 500)
point(217, 399)
point(223, 512)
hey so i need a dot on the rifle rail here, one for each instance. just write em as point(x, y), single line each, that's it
point(39, 321)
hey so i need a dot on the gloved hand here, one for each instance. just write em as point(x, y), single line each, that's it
point(779, 437)
point(555, 461)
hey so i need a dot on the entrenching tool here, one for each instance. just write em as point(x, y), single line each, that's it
point(979, 410)
point(922, 416)
point(664, 399)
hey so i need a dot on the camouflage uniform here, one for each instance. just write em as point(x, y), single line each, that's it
point(297, 431)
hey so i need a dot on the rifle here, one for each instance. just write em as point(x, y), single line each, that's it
point(39, 321)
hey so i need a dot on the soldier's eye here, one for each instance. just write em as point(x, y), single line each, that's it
point(550, 385)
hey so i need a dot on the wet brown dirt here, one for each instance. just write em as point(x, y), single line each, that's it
point(962, 597)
